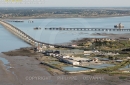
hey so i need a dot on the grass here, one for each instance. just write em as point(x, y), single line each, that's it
point(123, 77)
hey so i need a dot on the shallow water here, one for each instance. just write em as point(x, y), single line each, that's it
point(71, 68)
point(5, 61)
point(66, 36)
point(126, 67)
point(100, 66)
point(8, 41)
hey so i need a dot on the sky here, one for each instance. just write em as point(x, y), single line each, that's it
point(65, 3)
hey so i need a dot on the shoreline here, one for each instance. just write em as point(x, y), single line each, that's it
point(24, 18)
point(113, 36)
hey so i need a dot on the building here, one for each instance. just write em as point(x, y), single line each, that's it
point(70, 61)
point(50, 46)
point(78, 59)
point(74, 45)
point(71, 52)
point(95, 60)
point(65, 56)
point(88, 52)
point(39, 49)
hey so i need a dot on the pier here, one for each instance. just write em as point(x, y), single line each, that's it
point(25, 37)
point(87, 29)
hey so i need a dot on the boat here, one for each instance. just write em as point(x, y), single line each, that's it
point(119, 26)
point(36, 28)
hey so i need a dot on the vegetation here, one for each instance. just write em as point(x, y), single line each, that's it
point(62, 12)
point(112, 45)
point(122, 77)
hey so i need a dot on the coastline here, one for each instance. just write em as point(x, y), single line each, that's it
point(53, 17)
point(113, 36)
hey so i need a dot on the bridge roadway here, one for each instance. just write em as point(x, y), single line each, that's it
point(22, 35)
point(88, 29)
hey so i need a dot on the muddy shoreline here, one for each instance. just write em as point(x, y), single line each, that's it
point(113, 36)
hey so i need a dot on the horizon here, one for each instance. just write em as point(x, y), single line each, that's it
point(64, 3)
point(66, 7)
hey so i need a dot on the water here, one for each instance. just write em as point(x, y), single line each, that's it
point(71, 68)
point(5, 62)
point(9, 42)
point(66, 36)
point(125, 68)
point(100, 66)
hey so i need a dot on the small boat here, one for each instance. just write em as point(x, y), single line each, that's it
point(119, 26)
point(36, 28)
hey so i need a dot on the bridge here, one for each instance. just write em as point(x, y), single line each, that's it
point(88, 29)
point(25, 37)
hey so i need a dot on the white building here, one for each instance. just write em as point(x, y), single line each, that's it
point(78, 59)
point(44, 46)
point(50, 46)
point(65, 56)
point(71, 62)
point(39, 49)
point(68, 61)
point(88, 52)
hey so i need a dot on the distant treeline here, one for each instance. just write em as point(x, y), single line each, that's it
point(18, 12)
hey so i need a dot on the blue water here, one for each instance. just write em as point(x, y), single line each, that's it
point(9, 42)
point(71, 68)
point(100, 66)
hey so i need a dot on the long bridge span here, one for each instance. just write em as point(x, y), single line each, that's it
point(22, 35)
point(88, 29)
